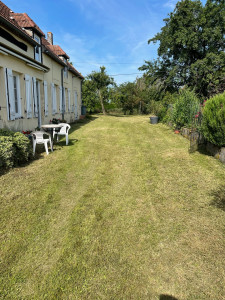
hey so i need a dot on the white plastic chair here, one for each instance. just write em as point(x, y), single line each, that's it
point(64, 130)
point(38, 138)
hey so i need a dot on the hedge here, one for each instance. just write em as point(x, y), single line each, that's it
point(213, 121)
point(15, 148)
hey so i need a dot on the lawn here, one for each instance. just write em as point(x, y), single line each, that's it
point(123, 212)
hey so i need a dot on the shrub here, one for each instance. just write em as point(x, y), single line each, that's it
point(15, 148)
point(157, 108)
point(213, 121)
point(57, 121)
point(185, 108)
point(6, 132)
point(23, 150)
point(6, 152)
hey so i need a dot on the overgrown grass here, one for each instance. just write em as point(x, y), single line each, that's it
point(123, 212)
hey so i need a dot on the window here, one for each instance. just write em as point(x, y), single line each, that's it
point(46, 97)
point(37, 49)
point(28, 96)
point(16, 96)
point(65, 71)
point(12, 85)
point(16, 92)
point(36, 95)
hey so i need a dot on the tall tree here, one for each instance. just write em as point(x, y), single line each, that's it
point(89, 95)
point(101, 83)
point(191, 48)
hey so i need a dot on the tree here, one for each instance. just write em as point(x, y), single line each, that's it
point(100, 83)
point(89, 95)
point(192, 39)
point(126, 96)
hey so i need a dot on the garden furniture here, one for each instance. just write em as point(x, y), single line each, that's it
point(38, 138)
point(64, 130)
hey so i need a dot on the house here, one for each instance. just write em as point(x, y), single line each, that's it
point(37, 82)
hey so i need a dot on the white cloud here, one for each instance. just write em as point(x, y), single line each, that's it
point(171, 4)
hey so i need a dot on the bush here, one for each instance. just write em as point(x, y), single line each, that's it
point(213, 122)
point(15, 148)
point(23, 150)
point(6, 152)
point(6, 132)
point(185, 108)
point(160, 107)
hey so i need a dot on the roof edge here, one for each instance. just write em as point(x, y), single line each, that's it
point(17, 30)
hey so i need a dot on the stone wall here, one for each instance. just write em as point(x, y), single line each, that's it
point(197, 141)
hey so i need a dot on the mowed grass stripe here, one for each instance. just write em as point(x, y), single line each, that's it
point(124, 212)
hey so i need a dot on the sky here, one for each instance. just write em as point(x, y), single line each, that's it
point(113, 33)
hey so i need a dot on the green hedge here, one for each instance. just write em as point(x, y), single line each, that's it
point(6, 152)
point(15, 148)
point(213, 122)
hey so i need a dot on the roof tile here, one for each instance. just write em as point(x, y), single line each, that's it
point(25, 21)
point(58, 50)
point(22, 20)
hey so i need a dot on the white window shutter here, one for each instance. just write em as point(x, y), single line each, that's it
point(64, 98)
point(76, 105)
point(28, 96)
point(60, 97)
point(53, 98)
point(68, 100)
point(72, 105)
point(34, 92)
point(19, 96)
point(10, 94)
point(46, 97)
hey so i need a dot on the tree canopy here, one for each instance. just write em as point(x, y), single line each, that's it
point(96, 88)
point(191, 48)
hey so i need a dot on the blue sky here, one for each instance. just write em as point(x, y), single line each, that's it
point(113, 33)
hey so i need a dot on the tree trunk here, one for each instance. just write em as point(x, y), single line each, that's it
point(101, 101)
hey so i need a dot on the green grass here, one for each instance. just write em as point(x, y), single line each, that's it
point(123, 212)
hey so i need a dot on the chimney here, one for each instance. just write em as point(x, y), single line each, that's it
point(50, 38)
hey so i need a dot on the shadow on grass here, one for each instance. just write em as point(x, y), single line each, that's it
point(24, 165)
point(219, 198)
point(80, 123)
point(56, 146)
point(62, 143)
point(119, 115)
point(167, 297)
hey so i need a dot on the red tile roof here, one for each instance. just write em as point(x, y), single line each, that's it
point(71, 68)
point(47, 45)
point(58, 50)
point(49, 48)
point(5, 13)
point(22, 20)
point(25, 21)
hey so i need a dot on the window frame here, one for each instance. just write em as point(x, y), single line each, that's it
point(37, 55)
point(16, 76)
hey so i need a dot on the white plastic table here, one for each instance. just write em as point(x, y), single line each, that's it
point(51, 126)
